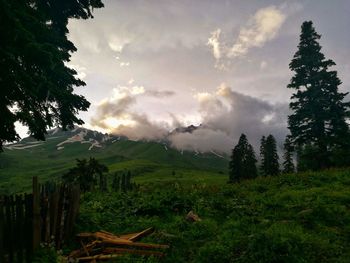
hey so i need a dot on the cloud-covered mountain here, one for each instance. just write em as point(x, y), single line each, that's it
point(224, 114)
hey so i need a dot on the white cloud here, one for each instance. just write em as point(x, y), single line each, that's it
point(214, 42)
point(263, 64)
point(81, 71)
point(117, 115)
point(117, 44)
point(263, 27)
point(225, 114)
point(124, 64)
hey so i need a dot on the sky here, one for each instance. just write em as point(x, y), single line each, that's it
point(152, 66)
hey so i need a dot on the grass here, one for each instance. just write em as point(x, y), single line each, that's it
point(17, 167)
point(291, 218)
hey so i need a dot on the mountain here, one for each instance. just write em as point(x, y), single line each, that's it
point(188, 129)
point(51, 158)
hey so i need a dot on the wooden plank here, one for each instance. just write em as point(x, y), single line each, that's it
point(143, 233)
point(9, 211)
point(98, 257)
point(132, 244)
point(53, 212)
point(80, 252)
point(46, 218)
point(111, 250)
point(19, 227)
point(2, 234)
point(74, 200)
point(102, 236)
point(36, 213)
point(28, 226)
point(60, 217)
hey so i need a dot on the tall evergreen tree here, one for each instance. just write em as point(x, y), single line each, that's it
point(243, 161)
point(85, 174)
point(269, 163)
point(36, 83)
point(288, 165)
point(262, 155)
point(318, 121)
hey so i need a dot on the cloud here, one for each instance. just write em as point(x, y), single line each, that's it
point(117, 116)
point(263, 64)
point(116, 43)
point(203, 140)
point(226, 114)
point(262, 27)
point(81, 71)
point(124, 64)
point(214, 42)
point(159, 94)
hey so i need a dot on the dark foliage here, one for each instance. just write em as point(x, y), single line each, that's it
point(269, 156)
point(85, 174)
point(243, 161)
point(318, 123)
point(288, 165)
point(36, 84)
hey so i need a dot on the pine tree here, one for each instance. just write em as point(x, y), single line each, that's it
point(262, 155)
point(128, 181)
point(270, 165)
point(318, 121)
point(37, 86)
point(288, 165)
point(85, 174)
point(123, 182)
point(243, 161)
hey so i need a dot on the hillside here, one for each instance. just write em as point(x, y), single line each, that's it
point(290, 218)
point(53, 157)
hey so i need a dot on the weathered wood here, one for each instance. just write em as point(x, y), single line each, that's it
point(36, 213)
point(74, 199)
point(80, 252)
point(58, 239)
point(112, 250)
point(9, 227)
point(141, 234)
point(19, 228)
point(46, 218)
point(27, 220)
point(53, 212)
point(132, 244)
point(2, 234)
point(98, 257)
point(28, 226)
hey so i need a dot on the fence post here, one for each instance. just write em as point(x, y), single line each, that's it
point(19, 227)
point(2, 236)
point(36, 213)
point(28, 226)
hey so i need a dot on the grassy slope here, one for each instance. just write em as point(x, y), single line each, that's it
point(18, 166)
point(291, 218)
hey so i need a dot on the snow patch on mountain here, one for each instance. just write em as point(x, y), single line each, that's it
point(218, 155)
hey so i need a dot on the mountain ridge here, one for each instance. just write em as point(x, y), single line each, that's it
point(51, 158)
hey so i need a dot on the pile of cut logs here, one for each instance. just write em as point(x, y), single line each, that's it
point(103, 245)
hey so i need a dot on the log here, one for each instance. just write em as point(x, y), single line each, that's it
point(110, 250)
point(98, 257)
point(80, 252)
point(137, 236)
point(133, 244)
point(36, 213)
point(102, 236)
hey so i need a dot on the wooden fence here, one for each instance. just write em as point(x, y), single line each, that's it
point(47, 215)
